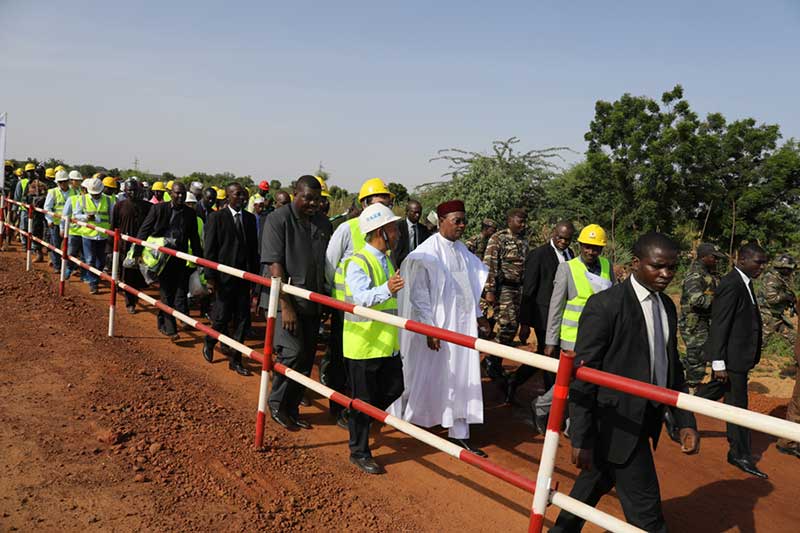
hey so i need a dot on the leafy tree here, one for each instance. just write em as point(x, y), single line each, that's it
point(491, 184)
point(400, 192)
point(275, 185)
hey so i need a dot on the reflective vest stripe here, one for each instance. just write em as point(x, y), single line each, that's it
point(358, 241)
point(103, 209)
point(574, 307)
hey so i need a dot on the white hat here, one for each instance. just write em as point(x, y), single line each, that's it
point(190, 198)
point(94, 186)
point(196, 186)
point(145, 184)
point(61, 175)
point(258, 200)
point(133, 178)
point(75, 175)
point(433, 218)
point(375, 216)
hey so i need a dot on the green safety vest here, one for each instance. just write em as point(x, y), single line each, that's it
point(23, 184)
point(574, 307)
point(363, 338)
point(359, 241)
point(200, 233)
point(61, 200)
point(104, 210)
point(153, 259)
point(74, 229)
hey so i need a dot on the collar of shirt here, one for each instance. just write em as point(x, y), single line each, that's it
point(559, 253)
point(234, 213)
point(380, 256)
point(448, 242)
point(410, 225)
point(642, 292)
point(746, 279)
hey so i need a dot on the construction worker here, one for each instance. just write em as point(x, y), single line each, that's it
point(57, 198)
point(222, 199)
point(158, 191)
point(110, 187)
point(262, 192)
point(345, 241)
point(94, 208)
point(372, 348)
point(29, 173)
point(575, 281)
point(76, 232)
point(168, 188)
point(75, 180)
point(49, 176)
point(505, 257)
point(9, 178)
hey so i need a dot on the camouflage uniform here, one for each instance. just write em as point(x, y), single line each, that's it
point(696, 296)
point(775, 297)
point(477, 244)
point(505, 257)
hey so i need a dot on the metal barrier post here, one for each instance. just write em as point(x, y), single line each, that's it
point(114, 278)
point(28, 263)
point(64, 257)
point(2, 219)
point(541, 495)
point(266, 364)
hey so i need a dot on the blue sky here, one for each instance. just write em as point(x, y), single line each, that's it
point(368, 88)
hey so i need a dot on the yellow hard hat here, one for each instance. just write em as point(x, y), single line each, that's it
point(49, 173)
point(373, 186)
point(110, 182)
point(60, 167)
point(158, 186)
point(324, 186)
point(221, 193)
point(18, 172)
point(593, 234)
point(169, 185)
point(9, 163)
point(30, 166)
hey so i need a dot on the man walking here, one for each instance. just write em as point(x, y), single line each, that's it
point(412, 233)
point(477, 243)
point(54, 202)
point(231, 239)
point(94, 208)
point(128, 216)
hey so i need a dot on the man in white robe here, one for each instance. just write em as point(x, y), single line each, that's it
point(443, 289)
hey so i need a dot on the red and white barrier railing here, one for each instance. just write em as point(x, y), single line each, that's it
point(544, 494)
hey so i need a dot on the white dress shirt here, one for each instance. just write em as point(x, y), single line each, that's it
point(560, 253)
point(646, 300)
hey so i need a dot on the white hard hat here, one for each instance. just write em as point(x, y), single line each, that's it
point(258, 199)
point(75, 175)
point(62, 175)
point(196, 186)
point(94, 186)
point(145, 184)
point(375, 216)
point(133, 178)
point(190, 198)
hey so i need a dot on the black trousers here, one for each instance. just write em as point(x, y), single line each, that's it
point(231, 305)
point(378, 382)
point(173, 286)
point(337, 371)
point(735, 393)
point(524, 372)
point(296, 352)
point(637, 489)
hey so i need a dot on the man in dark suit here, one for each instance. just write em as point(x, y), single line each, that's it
point(735, 347)
point(629, 330)
point(537, 287)
point(176, 221)
point(412, 233)
point(231, 239)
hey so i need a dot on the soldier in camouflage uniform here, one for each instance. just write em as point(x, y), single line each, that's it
point(698, 291)
point(505, 257)
point(477, 243)
point(776, 297)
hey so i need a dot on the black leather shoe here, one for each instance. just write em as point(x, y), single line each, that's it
point(367, 465)
point(745, 465)
point(283, 419)
point(239, 368)
point(788, 451)
point(131, 309)
point(671, 426)
point(208, 353)
point(464, 443)
point(300, 422)
point(305, 402)
point(342, 420)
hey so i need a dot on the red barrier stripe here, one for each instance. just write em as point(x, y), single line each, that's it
point(368, 409)
point(331, 302)
point(561, 392)
point(631, 386)
point(498, 471)
point(445, 335)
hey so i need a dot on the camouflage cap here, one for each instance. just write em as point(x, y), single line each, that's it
point(489, 223)
point(709, 249)
point(784, 261)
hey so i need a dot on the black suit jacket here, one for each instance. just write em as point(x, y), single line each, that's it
point(225, 245)
point(157, 223)
point(404, 244)
point(537, 287)
point(735, 335)
point(612, 336)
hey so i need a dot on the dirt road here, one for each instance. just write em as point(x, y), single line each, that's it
point(136, 433)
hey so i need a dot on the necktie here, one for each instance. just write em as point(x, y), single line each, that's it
point(752, 291)
point(413, 236)
point(237, 218)
point(566, 255)
point(659, 346)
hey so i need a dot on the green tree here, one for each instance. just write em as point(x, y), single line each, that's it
point(400, 192)
point(275, 185)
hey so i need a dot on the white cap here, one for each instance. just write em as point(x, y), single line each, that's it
point(61, 175)
point(134, 178)
point(190, 198)
point(94, 186)
point(375, 216)
point(258, 199)
point(433, 218)
point(145, 184)
point(75, 175)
